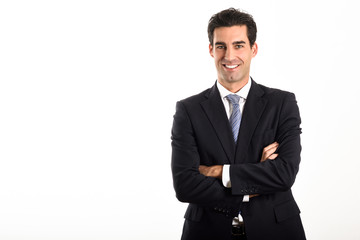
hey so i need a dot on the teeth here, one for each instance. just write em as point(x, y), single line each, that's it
point(231, 66)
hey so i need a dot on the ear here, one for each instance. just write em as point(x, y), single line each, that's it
point(211, 50)
point(254, 49)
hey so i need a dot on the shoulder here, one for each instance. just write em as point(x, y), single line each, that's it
point(276, 94)
point(190, 105)
point(197, 98)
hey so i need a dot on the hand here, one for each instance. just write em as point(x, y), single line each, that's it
point(268, 152)
point(211, 171)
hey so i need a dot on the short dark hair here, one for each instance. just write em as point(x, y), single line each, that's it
point(232, 17)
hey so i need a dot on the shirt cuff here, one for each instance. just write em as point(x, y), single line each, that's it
point(226, 180)
point(226, 176)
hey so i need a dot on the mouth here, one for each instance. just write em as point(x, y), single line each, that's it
point(231, 66)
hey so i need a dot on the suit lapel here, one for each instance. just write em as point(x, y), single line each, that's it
point(215, 111)
point(254, 107)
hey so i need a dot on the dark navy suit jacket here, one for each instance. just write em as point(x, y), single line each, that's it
point(201, 135)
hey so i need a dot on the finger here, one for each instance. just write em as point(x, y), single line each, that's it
point(269, 152)
point(274, 144)
point(273, 156)
point(270, 149)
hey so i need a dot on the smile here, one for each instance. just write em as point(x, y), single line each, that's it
point(230, 66)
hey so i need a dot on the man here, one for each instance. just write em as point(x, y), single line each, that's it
point(236, 146)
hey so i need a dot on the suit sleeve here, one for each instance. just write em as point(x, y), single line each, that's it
point(273, 175)
point(191, 186)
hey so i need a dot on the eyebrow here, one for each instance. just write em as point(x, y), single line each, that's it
point(239, 42)
point(234, 43)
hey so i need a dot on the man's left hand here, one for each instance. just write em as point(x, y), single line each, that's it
point(212, 171)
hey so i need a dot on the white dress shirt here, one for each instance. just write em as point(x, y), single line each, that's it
point(243, 93)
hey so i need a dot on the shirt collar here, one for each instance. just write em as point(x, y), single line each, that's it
point(243, 92)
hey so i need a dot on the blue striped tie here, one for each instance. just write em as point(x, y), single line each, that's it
point(235, 117)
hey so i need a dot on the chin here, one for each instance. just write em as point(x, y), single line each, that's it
point(232, 79)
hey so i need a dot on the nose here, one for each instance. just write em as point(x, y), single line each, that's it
point(229, 54)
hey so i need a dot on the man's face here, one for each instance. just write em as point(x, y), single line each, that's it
point(232, 54)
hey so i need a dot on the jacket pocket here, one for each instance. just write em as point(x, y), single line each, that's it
point(286, 210)
point(194, 213)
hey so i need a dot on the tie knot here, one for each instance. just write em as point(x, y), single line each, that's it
point(233, 98)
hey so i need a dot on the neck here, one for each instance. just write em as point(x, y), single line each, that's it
point(234, 87)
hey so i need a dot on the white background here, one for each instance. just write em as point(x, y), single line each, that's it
point(88, 91)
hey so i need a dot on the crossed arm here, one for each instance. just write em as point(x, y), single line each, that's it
point(216, 170)
point(265, 177)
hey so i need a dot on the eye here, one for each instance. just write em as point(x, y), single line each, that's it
point(239, 46)
point(220, 47)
